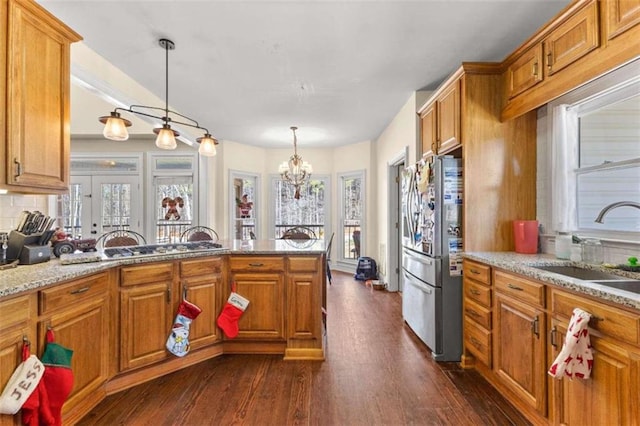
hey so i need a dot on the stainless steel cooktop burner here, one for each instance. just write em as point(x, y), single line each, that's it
point(159, 249)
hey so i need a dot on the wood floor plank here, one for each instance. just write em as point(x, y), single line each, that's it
point(377, 372)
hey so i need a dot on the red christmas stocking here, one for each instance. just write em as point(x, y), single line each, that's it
point(178, 341)
point(231, 313)
point(58, 378)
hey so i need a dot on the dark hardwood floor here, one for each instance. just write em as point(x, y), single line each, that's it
point(376, 372)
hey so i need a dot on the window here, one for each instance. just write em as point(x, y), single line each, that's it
point(596, 157)
point(352, 192)
point(172, 196)
point(311, 210)
point(244, 205)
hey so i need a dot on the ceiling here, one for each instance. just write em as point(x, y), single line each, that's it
point(339, 70)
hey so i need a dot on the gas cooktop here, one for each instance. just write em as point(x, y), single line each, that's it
point(160, 249)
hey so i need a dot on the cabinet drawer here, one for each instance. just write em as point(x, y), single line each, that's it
point(304, 264)
point(156, 272)
point(519, 288)
point(15, 311)
point(200, 266)
point(608, 320)
point(477, 271)
point(66, 295)
point(477, 313)
point(477, 292)
point(256, 263)
point(477, 340)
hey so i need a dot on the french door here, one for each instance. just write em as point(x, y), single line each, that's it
point(100, 203)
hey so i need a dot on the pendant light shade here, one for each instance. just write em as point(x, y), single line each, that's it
point(115, 127)
point(166, 137)
point(207, 145)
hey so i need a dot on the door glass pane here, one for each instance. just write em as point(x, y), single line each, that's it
point(174, 207)
point(116, 206)
point(352, 213)
point(308, 211)
point(71, 211)
point(79, 164)
point(245, 212)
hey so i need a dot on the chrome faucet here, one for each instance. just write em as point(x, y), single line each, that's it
point(612, 206)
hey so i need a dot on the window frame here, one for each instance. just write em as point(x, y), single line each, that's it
point(342, 259)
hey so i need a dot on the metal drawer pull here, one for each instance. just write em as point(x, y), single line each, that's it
point(552, 337)
point(79, 290)
point(473, 313)
point(475, 292)
point(256, 264)
point(535, 326)
point(474, 271)
point(535, 69)
point(514, 287)
point(18, 168)
point(549, 56)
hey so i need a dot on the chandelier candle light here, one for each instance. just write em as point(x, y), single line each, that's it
point(115, 127)
point(295, 171)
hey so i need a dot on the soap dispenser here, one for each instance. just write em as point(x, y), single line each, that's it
point(563, 245)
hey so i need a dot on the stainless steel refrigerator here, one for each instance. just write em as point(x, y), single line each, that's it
point(431, 256)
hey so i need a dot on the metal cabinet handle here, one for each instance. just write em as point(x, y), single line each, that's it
point(552, 337)
point(535, 326)
point(474, 292)
point(476, 342)
point(549, 56)
point(18, 167)
point(256, 264)
point(534, 69)
point(514, 287)
point(168, 295)
point(79, 290)
point(472, 312)
point(474, 271)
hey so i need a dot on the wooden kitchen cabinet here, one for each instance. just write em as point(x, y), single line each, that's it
point(304, 318)
point(572, 39)
point(440, 120)
point(146, 313)
point(612, 394)
point(519, 343)
point(525, 72)
point(201, 281)
point(34, 103)
point(15, 325)
point(477, 309)
point(621, 16)
point(79, 312)
point(260, 279)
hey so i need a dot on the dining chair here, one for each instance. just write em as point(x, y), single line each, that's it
point(199, 233)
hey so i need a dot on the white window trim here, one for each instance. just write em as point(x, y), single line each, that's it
point(341, 262)
point(257, 200)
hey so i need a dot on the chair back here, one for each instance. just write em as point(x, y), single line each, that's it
point(120, 238)
point(329, 246)
point(199, 233)
point(299, 233)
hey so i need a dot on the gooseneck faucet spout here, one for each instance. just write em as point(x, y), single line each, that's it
point(612, 206)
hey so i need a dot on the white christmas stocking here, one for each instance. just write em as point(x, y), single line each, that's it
point(178, 341)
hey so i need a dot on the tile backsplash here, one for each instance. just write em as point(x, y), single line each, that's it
point(11, 205)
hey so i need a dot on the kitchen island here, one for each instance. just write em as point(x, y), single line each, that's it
point(116, 315)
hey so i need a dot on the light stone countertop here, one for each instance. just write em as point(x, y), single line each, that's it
point(29, 277)
point(524, 264)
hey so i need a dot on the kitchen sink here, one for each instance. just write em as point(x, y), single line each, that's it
point(580, 273)
point(628, 285)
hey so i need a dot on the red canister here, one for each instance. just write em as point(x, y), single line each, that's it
point(525, 236)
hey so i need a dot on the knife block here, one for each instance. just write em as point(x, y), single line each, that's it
point(17, 241)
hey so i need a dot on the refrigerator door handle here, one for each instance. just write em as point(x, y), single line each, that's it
point(414, 282)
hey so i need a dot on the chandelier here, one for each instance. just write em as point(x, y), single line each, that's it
point(115, 127)
point(295, 171)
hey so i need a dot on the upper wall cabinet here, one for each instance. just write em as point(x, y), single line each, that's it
point(562, 55)
point(34, 102)
point(440, 120)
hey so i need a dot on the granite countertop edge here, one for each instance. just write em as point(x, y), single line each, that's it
point(24, 278)
point(525, 264)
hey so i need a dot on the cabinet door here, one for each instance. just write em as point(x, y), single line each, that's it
point(83, 328)
point(204, 292)
point(449, 118)
point(428, 131)
point(525, 72)
point(610, 396)
point(621, 16)
point(304, 319)
point(38, 99)
point(145, 323)
point(519, 350)
point(573, 39)
point(264, 317)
